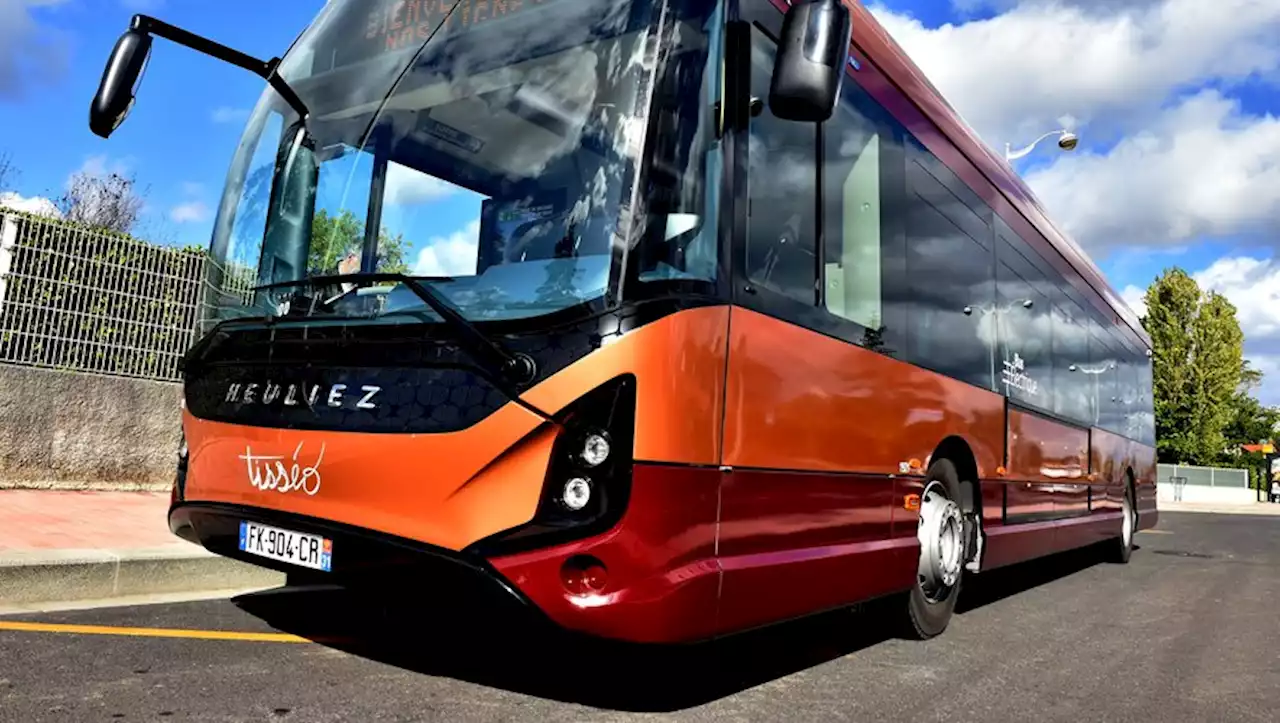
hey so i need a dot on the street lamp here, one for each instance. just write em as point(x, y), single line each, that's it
point(1067, 142)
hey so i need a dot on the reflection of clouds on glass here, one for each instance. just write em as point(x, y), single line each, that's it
point(452, 255)
point(854, 139)
point(565, 90)
point(407, 187)
point(595, 197)
point(785, 161)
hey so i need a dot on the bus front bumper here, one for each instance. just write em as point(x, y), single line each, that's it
point(358, 558)
point(653, 577)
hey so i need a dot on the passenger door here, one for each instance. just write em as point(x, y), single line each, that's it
point(804, 514)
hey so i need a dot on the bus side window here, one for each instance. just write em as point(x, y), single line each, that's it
point(782, 158)
point(859, 150)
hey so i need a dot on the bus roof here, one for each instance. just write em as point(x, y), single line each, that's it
point(893, 62)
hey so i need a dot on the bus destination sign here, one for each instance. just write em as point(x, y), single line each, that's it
point(404, 24)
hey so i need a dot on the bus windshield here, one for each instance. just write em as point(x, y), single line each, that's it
point(516, 156)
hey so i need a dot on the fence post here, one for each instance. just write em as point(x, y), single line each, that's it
point(8, 239)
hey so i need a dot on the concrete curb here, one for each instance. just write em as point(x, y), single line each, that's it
point(58, 576)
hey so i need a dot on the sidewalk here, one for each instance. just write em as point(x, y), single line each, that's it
point(1253, 508)
point(58, 547)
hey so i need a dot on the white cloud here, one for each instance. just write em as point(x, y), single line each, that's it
point(100, 165)
point(1133, 296)
point(34, 204)
point(1253, 287)
point(1183, 165)
point(1269, 365)
point(1112, 62)
point(227, 114)
point(407, 187)
point(452, 255)
point(972, 5)
point(1203, 169)
point(190, 212)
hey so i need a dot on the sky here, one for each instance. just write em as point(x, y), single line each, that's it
point(1177, 104)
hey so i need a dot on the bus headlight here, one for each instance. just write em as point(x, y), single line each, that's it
point(587, 482)
point(595, 449)
point(576, 493)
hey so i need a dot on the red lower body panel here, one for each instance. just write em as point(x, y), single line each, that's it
point(790, 545)
point(1009, 544)
point(794, 543)
point(661, 581)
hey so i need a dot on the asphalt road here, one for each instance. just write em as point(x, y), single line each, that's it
point(1188, 631)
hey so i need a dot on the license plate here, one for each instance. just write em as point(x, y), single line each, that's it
point(298, 548)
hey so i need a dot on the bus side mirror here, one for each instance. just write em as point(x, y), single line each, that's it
point(119, 82)
point(810, 62)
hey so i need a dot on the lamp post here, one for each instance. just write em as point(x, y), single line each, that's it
point(1067, 141)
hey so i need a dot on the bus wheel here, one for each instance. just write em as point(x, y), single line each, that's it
point(1122, 546)
point(941, 532)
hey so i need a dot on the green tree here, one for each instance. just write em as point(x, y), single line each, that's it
point(1197, 367)
point(1219, 363)
point(1250, 423)
point(334, 238)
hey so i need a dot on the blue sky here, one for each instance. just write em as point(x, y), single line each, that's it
point(1179, 161)
point(190, 111)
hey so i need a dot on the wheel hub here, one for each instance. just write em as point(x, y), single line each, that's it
point(941, 536)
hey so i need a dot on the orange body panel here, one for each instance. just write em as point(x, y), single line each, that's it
point(1110, 456)
point(798, 400)
point(1048, 467)
point(679, 366)
point(1113, 455)
point(454, 489)
point(1041, 449)
point(446, 489)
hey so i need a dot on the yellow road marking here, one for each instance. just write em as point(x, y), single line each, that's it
point(1155, 532)
point(150, 632)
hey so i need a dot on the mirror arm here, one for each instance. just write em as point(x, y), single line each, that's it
point(263, 69)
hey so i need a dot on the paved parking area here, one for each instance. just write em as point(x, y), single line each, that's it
point(1187, 631)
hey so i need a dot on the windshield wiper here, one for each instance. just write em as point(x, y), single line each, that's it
point(516, 368)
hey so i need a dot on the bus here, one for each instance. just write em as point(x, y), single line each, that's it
point(667, 319)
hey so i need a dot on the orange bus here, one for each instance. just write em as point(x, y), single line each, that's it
point(715, 314)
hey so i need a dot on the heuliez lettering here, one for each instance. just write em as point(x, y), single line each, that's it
point(311, 396)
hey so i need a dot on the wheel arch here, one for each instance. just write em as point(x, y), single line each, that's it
point(956, 449)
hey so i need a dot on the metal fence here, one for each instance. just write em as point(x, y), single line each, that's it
point(77, 299)
point(1181, 474)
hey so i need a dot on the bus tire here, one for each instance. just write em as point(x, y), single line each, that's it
point(940, 564)
point(1121, 548)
